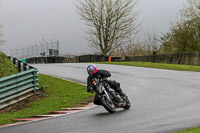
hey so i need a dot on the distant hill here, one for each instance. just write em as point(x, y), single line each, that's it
point(6, 66)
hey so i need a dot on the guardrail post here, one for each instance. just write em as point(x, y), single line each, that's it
point(11, 59)
point(35, 80)
point(22, 66)
point(27, 67)
point(16, 63)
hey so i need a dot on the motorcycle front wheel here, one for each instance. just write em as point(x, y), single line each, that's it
point(128, 104)
point(108, 105)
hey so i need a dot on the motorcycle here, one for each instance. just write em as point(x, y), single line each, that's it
point(108, 97)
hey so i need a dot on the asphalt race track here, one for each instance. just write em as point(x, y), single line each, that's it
point(162, 101)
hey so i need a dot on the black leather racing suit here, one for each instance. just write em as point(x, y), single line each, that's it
point(101, 74)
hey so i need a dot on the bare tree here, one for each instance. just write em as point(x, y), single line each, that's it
point(152, 43)
point(192, 12)
point(149, 45)
point(110, 22)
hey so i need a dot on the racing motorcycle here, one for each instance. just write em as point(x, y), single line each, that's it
point(108, 97)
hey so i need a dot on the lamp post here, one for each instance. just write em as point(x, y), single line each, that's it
point(50, 53)
point(52, 43)
point(16, 53)
point(47, 51)
point(32, 50)
point(57, 42)
point(36, 50)
point(41, 48)
point(27, 51)
point(23, 53)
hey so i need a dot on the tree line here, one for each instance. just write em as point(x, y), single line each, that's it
point(184, 36)
point(113, 29)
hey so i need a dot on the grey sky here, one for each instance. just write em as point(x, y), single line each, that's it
point(24, 20)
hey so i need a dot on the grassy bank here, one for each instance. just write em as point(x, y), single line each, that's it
point(58, 94)
point(6, 66)
point(158, 65)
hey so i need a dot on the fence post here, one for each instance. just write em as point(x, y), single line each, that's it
point(35, 80)
point(27, 67)
point(22, 66)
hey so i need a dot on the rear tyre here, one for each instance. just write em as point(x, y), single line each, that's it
point(108, 105)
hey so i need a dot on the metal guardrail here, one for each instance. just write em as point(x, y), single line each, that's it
point(20, 65)
point(19, 86)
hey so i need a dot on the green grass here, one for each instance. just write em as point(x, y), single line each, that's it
point(191, 130)
point(6, 66)
point(158, 65)
point(60, 93)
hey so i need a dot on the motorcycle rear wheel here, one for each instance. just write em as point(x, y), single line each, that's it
point(108, 105)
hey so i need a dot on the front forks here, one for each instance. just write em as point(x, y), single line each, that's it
point(107, 96)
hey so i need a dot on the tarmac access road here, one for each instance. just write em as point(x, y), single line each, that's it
point(162, 101)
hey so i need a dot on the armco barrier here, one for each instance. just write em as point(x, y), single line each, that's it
point(19, 86)
point(21, 65)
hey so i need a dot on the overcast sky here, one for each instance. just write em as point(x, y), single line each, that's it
point(24, 21)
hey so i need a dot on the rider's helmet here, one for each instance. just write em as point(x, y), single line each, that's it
point(92, 69)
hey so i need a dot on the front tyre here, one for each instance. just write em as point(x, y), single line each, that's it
point(128, 104)
point(108, 105)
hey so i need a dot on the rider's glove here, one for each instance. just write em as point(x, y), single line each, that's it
point(89, 89)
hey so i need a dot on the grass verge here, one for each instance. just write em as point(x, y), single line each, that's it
point(59, 93)
point(191, 130)
point(6, 66)
point(157, 65)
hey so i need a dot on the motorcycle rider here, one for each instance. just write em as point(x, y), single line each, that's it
point(95, 75)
